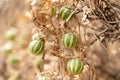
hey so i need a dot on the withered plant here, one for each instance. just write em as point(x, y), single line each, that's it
point(86, 12)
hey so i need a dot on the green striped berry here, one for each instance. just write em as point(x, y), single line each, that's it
point(53, 11)
point(75, 66)
point(69, 40)
point(45, 78)
point(36, 36)
point(65, 13)
point(36, 47)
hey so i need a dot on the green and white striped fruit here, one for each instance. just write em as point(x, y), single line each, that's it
point(45, 78)
point(14, 59)
point(53, 11)
point(36, 47)
point(39, 63)
point(8, 48)
point(69, 40)
point(65, 13)
point(36, 36)
point(10, 35)
point(75, 66)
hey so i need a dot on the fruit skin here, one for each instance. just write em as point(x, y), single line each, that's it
point(45, 78)
point(36, 47)
point(53, 11)
point(8, 48)
point(36, 36)
point(10, 35)
point(65, 13)
point(75, 66)
point(69, 40)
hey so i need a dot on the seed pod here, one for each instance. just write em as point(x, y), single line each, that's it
point(45, 78)
point(65, 13)
point(36, 47)
point(75, 66)
point(36, 36)
point(69, 40)
point(53, 11)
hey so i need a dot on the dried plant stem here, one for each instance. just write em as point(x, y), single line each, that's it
point(103, 45)
point(43, 58)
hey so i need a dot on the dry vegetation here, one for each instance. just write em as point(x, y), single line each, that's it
point(95, 22)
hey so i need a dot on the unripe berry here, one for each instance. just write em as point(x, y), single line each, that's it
point(36, 47)
point(14, 59)
point(53, 11)
point(65, 13)
point(39, 63)
point(69, 40)
point(75, 66)
point(36, 36)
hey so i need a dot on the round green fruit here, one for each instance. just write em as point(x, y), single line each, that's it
point(45, 78)
point(65, 13)
point(75, 66)
point(8, 48)
point(36, 47)
point(36, 36)
point(69, 40)
point(14, 59)
point(10, 35)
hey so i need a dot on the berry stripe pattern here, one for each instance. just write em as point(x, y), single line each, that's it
point(75, 66)
point(36, 47)
point(69, 40)
point(65, 12)
point(53, 11)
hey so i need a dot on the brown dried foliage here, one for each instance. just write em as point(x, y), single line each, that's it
point(87, 12)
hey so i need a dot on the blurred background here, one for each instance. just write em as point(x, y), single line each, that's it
point(15, 33)
point(16, 62)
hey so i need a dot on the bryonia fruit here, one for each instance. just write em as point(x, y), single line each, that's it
point(14, 59)
point(69, 40)
point(65, 13)
point(36, 36)
point(39, 62)
point(75, 66)
point(36, 47)
point(53, 11)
